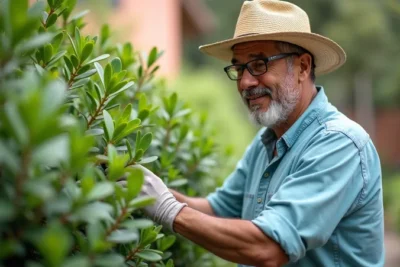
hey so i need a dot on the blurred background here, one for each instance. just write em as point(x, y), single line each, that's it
point(367, 88)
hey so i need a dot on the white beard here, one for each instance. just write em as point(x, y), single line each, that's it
point(279, 109)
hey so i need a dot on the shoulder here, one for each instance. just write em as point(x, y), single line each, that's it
point(338, 124)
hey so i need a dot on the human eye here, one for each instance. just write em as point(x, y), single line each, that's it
point(257, 65)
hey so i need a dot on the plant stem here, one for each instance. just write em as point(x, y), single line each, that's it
point(132, 253)
point(73, 75)
point(21, 177)
point(124, 211)
point(97, 112)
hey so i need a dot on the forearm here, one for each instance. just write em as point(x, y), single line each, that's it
point(200, 204)
point(238, 241)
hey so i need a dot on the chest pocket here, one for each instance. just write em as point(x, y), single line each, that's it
point(248, 206)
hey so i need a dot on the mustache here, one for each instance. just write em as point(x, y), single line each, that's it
point(259, 91)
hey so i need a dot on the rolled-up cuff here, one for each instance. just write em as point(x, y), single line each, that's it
point(283, 232)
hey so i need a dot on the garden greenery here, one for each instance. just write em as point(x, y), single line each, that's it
point(78, 113)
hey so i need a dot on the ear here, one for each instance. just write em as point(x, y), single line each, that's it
point(305, 67)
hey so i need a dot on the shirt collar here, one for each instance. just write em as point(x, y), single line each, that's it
point(291, 135)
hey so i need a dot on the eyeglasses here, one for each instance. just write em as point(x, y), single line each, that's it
point(256, 67)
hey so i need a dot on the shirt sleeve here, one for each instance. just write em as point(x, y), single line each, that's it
point(325, 184)
point(227, 201)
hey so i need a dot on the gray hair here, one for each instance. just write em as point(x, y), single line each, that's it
point(286, 47)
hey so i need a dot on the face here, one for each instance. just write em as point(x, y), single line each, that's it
point(272, 96)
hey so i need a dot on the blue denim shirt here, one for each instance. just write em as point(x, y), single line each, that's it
point(320, 198)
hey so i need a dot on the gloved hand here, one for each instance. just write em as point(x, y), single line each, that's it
point(166, 207)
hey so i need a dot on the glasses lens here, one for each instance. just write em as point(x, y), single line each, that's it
point(234, 72)
point(257, 67)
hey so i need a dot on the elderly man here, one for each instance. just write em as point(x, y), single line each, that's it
point(307, 191)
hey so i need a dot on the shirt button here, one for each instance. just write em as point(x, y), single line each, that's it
point(259, 200)
point(266, 174)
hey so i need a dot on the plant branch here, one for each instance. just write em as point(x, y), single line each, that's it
point(132, 253)
point(97, 112)
point(115, 226)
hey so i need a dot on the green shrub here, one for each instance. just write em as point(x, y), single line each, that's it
point(77, 113)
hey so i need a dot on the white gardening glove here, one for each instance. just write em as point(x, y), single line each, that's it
point(166, 207)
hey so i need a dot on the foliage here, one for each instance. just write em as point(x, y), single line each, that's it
point(391, 187)
point(77, 113)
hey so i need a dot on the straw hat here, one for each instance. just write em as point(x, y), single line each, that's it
point(279, 21)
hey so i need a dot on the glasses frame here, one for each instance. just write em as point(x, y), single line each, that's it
point(265, 60)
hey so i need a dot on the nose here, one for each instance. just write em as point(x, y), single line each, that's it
point(248, 81)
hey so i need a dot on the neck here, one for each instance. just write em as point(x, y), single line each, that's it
point(308, 94)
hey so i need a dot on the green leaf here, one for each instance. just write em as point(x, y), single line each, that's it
point(170, 263)
point(104, 33)
point(83, 70)
point(109, 124)
point(93, 212)
point(135, 181)
point(50, 3)
point(75, 61)
point(73, 44)
point(34, 42)
point(126, 114)
point(78, 41)
point(128, 145)
point(166, 242)
point(77, 261)
point(125, 87)
point(99, 58)
point(101, 190)
point(182, 113)
point(107, 76)
point(94, 132)
point(16, 122)
point(86, 51)
point(69, 64)
point(173, 100)
point(141, 202)
point(93, 103)
point(48, 52)
point(100, 71)
point(147, 236)
point(142, 102)
point(178, 183)
point(143, 114)
point(145, 141)
point(107, 260)
point(79, 83)
point(54, 244)
point(98, 90)
point(51, 20)
point(119, 132)
point(123, 236)
point(137, 224)
point(52, 152)
point(79, 15)
point(152, 57)
point(95, 233)
point(86, 74)
point(55, 58)
point(139, 154)
point(148, 160)
point(57, 40)
point(116, 65)
point(132, 126)
point(149, 255)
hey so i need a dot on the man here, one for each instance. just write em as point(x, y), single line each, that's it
point(308, 190)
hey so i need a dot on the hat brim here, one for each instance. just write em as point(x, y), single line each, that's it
point(328, 55)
